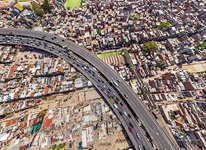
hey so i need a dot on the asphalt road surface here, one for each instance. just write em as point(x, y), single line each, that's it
point(123, 101)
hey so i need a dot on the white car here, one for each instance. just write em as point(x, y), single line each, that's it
point(139, 147)
point(115, 83)
point(124, 112)
point(115, 105)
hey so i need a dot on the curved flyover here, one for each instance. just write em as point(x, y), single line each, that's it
point(140, 125)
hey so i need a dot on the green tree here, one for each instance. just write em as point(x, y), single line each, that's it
point(39, 12)
point(25, 7)
point(46, 6)
point(201, 46)
point(37, 9)
point(54, 147)
point(149, 47)
point(162, 65)
point(35, 5)
point(61, 146)
point(163, 25)
point(99, 31)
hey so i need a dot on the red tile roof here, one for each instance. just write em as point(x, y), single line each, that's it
point(48, 122)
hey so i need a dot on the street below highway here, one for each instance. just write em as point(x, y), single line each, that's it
point(94, 78)
point(101, 75)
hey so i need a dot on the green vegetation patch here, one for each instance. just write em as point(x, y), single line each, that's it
point(46, 6)
point(71, 4)
point(172, 117)
point(102, 55)
point(149, 47)
point(162, 65)
point(58, 147)
point(201, 46)
point(99, 31)
point(163, 25)
point(37, 9)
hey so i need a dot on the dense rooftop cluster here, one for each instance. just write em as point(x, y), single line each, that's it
point(155, 46)
point(179, 96)
point(86, 118)
point(33, 74)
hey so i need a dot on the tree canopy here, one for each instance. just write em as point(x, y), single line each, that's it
point(37, 9)
point(99, 31)
point(150, 46)
point(163, 25)
point(201, 46)
point(46, 6)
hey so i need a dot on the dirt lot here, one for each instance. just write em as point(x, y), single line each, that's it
point(194, 68)
point(3, 3)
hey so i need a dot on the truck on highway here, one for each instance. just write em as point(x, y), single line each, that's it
point(111, 101)
point(64, 46)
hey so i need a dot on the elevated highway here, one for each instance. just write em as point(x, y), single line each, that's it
point(139, 124)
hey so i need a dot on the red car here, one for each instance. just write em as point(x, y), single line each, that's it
point(130, 129)
point(38, 101)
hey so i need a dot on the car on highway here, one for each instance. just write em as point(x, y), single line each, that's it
point(137, 135)
point(94, 68)
point(120, 113)
point(111, 101)
point(139, 147)
point(38, 44)
point(102, 89)
point(105, 92)
point(102, 81)
point(115, 105)
point(112, 96)
point(109, 90)
point(130, 129)
point(78, 65)
point(93, 75)
point(131, 125)
point(126, 96)
point(124, 112)
point(85, 67)
point(115, 83)
point(108, 95)
point(16, 40)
